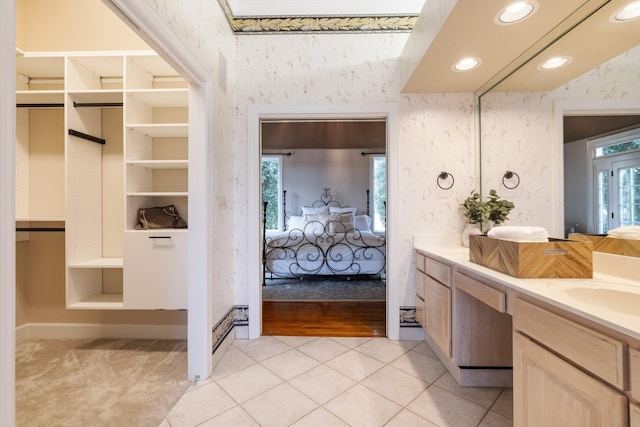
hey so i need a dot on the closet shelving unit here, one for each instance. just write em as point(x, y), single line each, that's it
point(123, 146)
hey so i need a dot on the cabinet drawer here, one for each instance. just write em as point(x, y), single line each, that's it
point(593, 351)
point(155, 270)
point(439, 271)
point(420, 261)
point(634, 373)
point(492, 297)
point(420, 279)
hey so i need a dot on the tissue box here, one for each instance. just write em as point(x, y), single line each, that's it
point(610, 245)
point(557, 258)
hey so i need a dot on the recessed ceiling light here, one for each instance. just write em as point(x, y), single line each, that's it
point(555, 62)
point(516, 12)
point(466, 64)
point(629, 12)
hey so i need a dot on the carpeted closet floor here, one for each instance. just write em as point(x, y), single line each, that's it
point(99, 382)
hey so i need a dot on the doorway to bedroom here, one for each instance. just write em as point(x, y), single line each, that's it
point(323, 231)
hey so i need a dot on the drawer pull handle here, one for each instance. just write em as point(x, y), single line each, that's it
point(159, 237)
point(555, 251)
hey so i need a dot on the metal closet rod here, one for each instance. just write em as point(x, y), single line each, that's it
point(75, 104)
point(40, 105)
point(30, 229)
point(87, 137)
point(97, 104)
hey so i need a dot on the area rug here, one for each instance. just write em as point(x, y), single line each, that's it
point(324, 290)
point(101, 382)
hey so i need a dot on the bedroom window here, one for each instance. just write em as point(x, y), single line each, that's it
point(272, 191)
point(617, 180)
point(379, 193)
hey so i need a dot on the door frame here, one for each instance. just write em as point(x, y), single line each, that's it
point(257, 112)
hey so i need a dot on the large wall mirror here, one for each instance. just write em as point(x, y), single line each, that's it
point(529, 116)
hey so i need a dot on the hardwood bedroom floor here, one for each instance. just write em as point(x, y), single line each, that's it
point(324, 318)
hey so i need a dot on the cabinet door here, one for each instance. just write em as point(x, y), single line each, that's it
point(420, 304)
point(155, 270)
point(547, 391)
point(438, 314)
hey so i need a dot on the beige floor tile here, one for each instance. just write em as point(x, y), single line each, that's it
point(290, 364)
point(351, 342)
point(395, 385)
point(382, 349)
point(264, 348)
point(421, 366)
point(483, 396)
point(322, 383)
point(295, 341)
point(406, 418)
point(504, 404)
point(233, 361)
point(355, 365)
point(249, 382)
point(446, 409)
point(493, 419)
point(279, 407)
point(320, 418)
point(236, 417)
point(164, 423)
point(424, 348)
point(200, 404)
point(323, 349)
point(361, 407)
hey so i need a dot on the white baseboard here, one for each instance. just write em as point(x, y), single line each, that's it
point(411, 334)
point(99, 330)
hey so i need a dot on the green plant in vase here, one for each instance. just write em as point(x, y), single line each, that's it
point(498, 209)
point(474, 209)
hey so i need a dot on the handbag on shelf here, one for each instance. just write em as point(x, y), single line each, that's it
point(159, 217)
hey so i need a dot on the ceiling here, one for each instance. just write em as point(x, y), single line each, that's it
point(581, 127)
point(470, 30)
point(300, 16)
point(282, 135)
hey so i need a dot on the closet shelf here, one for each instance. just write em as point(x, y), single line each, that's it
point(40, 219)
point(104, 301)
point(160, 164)
point(99, 263)
point(97, 96)
point(39, 97)
point(158, 194)
point(161, 130)
point(161, 97)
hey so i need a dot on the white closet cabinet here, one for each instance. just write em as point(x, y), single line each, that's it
point(125, 133)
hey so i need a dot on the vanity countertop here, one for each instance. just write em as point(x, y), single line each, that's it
point(612, 301)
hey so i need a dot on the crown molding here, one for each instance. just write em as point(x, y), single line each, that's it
point(318, 24)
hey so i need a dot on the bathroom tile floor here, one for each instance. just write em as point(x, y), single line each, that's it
point(319, 381)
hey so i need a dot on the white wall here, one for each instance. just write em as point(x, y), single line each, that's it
point(307, 172)
point(519, 134)
point(576, 185)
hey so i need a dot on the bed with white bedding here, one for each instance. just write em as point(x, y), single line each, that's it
point(327, 240)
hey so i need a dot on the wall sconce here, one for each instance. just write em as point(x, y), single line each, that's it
point(444, 182)
point(510, 177)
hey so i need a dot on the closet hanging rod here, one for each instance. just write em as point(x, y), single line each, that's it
point(40, 105)
point(87, 137)
point(30, 229)
point(97, 104)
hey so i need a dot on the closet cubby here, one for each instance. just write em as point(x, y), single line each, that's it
point(99, 136)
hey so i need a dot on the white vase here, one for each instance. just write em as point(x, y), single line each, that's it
point(469, 229)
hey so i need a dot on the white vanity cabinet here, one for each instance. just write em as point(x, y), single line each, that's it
point(123, 127)
point(565, 374)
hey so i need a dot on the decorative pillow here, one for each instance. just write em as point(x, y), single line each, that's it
point(350, 211)
point(340, 222)
point(362, 222)
point(315, 223)
point(295, 222)
point(306, 210)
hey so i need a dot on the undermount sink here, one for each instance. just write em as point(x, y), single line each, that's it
point(611, 299)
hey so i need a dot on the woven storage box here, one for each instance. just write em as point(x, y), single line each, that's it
point(610, 245)
point(557, 258)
